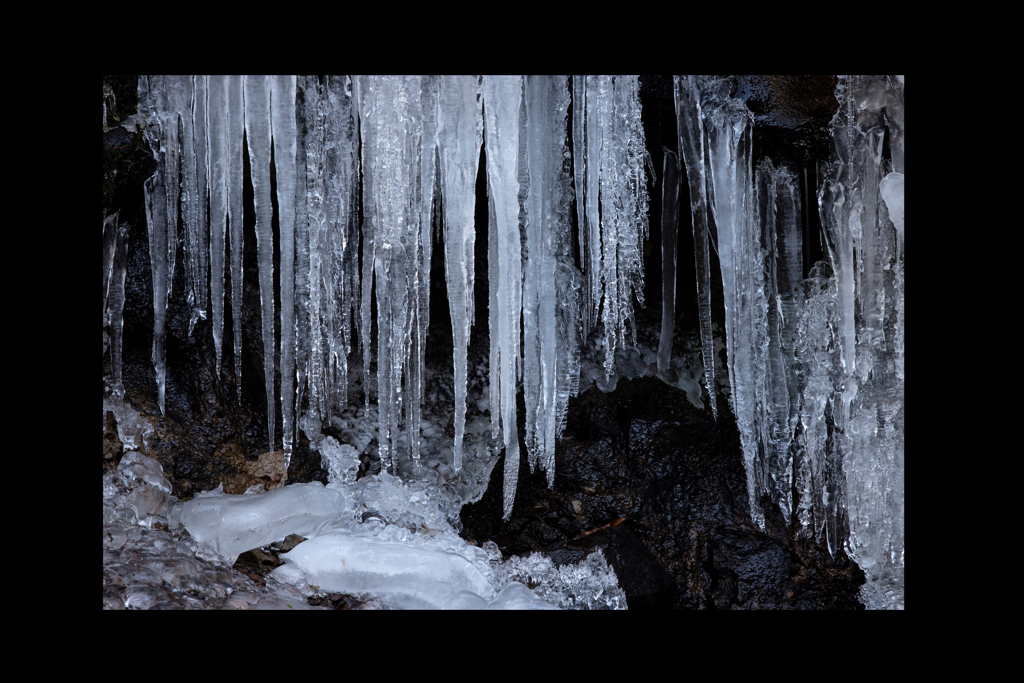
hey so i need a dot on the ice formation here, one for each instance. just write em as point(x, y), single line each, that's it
point(865, 242)
point(365, 167)
point(378, 539)
point(815, 365)
point(418, 135)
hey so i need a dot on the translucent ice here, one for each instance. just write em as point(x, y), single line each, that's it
point(232, 524)
point(399, 575)
point(891, 188)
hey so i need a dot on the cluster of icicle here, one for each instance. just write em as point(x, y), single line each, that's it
point(816, 364)
point(406, 150)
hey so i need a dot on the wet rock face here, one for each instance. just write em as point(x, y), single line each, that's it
point(206, 436)
point(644, 453)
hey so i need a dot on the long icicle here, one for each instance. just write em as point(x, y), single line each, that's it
point(236, 215)
point(669, 225)
point(691, 145)
point(502, 99)
point(285, 140)
point(217, 150)
point(257, 130)
point(460, 135)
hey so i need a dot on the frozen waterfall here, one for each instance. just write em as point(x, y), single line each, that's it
point(374, 172)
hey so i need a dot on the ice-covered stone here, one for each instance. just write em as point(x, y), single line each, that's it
point(233, 524)
point(398, 575)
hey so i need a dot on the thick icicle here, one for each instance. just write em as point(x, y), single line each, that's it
point(502, 99)
point(197, 231)
point(164, 100)
point(551, 318)
point(389, 124)
point(114, 299)
point(691, 144)
point(669, 225)
point(282, 104)
point(771, 387)
point(864, 245)
point(782, 238)
point(596, 98)
point(235, 185)
point(109, 247)
point(257, 131)
point(217, 137)
point(302, 120)
point(460, 134)
point(728, 124)
point(579, 159)
point(630, 155)
point(615, 105)
point(329, 248)
point(190, 204)
point(315, 192)
point(819, 478)
point(426, 182)
point(340, 151)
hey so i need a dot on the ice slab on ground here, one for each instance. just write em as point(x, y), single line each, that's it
point(398, 575)
point(233, 524)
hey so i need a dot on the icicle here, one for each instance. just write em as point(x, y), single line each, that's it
point(421, 292)
point(502, 99)
point(257, 131)
point(494, 299)
point(551, 318)
point(163, 99)
point(819, 478)
point(235, 185)
point(598, 90)
point(610, 184)
point(785, 246)
point(116, 234)
point(198, 236)
point(190, 203)
point(774, 348)
point(315, 193)
point(691, 145)
point(109, 247)
point(217, 136)
point(178, 101)
point(340, 152)
point(303, 118)
point(669, 225)
point(389, 115)
point(631, 155)
point(510, 477)
point(579, 147)
point(460, 134)
point(369, 245)
point(285, 139)
point(616, 113)
point(865, 250)
point(728, 125)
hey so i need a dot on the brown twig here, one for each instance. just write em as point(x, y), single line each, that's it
point(617, 522)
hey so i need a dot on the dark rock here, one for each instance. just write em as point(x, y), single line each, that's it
point(641, 575)
point(643, 452)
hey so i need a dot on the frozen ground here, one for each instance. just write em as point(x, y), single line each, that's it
point(396, 535)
